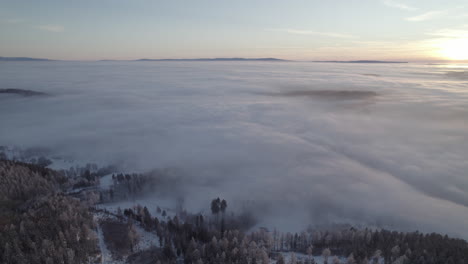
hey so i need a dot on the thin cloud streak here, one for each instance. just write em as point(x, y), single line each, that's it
point(426, 16)
point(399, 5)
point(51, 28)
point(450, 33)
point(311, 32)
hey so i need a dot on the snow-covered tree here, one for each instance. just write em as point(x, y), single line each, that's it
point(336, 260)
point(310, 251)
point(293, 259)
point(326, 253)
point(350, 259)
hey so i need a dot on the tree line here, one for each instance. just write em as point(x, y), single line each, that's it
point(195, 238)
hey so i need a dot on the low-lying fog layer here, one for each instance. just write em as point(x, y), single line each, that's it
point(311, 143)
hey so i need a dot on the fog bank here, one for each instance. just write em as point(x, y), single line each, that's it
point(382, 145)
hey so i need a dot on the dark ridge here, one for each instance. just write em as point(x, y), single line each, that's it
point(216, 59)
point(363, 61)
point(22, 92)
point(327, 94)
point(22, 59)
point(371, 74)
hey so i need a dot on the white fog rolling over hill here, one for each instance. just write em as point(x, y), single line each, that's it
point(382, 145)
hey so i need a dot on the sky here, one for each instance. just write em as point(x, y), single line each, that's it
point(410, 30)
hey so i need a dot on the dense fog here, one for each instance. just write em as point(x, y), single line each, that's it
point(382, 145)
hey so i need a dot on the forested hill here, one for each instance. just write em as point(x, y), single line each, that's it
point(216, 59)
point(22, 59)
point(51, 217)
point(38, 223)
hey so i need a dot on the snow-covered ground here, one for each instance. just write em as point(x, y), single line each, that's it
point(318, 259)
point(299, 256)
point(105, 182)
point(146, 240)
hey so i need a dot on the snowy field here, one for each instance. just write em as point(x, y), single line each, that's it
point(146, 240)
point(311, 143)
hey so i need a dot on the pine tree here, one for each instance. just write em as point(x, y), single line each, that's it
point(223, 206)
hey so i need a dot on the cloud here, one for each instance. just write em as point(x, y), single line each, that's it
point(399, 5)
point(52, 28)
point(427, 16)
point(311, 32)
point(395, 160)
point(14, 21)
point(459, 32)
point(462, 75)
point(457, 12)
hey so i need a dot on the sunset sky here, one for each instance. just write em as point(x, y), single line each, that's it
point(411, 30)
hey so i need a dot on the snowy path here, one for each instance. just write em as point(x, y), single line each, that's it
point(105, 253)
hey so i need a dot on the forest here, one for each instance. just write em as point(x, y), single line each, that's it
point(50, 216)
point(38, 222)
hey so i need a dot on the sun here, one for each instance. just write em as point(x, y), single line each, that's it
point(454, 49)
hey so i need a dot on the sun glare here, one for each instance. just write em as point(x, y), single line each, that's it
point(454, 49)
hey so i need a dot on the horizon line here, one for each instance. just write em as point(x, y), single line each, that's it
point(22, 58)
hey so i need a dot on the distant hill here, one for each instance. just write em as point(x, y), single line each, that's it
point(363, 61)
point(216, 59)
point(22, 92)
point(22, 59)
point(207, 59)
